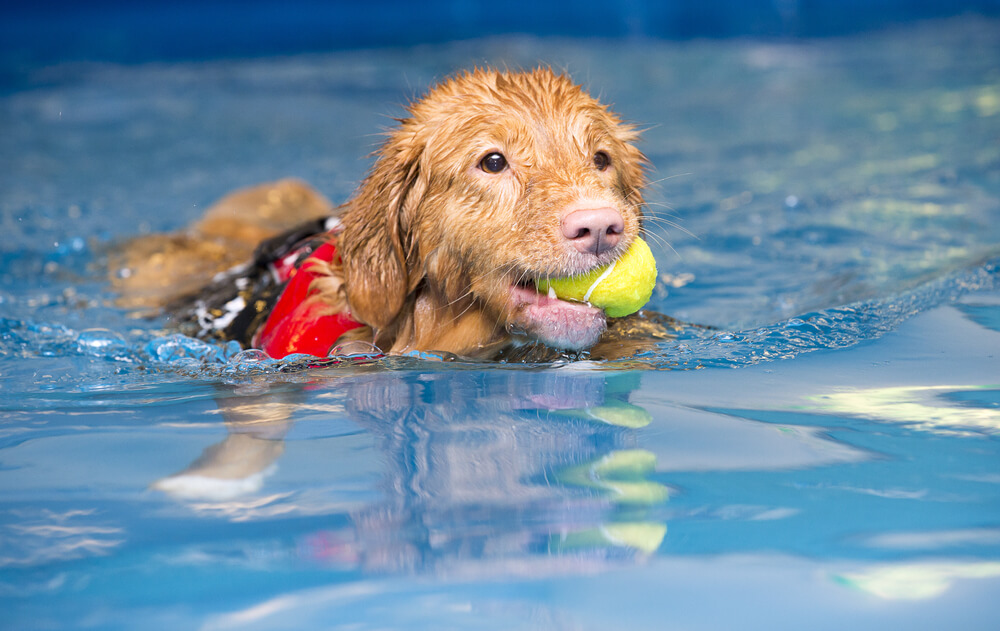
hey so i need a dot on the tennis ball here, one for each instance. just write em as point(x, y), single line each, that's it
point(621, 288)
point(644, 536)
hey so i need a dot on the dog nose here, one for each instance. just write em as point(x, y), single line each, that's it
point(593, 230)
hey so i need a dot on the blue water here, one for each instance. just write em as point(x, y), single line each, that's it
point(824, 456)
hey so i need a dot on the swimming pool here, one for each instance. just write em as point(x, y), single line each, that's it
point(825, 457)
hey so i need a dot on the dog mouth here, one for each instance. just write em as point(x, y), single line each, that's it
point(557, 323)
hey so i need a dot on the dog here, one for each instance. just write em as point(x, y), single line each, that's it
point(492, 180)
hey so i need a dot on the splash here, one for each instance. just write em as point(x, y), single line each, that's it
point(827, 329)
point(694, 347)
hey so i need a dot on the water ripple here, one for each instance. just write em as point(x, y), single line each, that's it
point(695, 347)
point(827, 329)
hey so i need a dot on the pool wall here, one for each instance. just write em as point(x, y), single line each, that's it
point(116, 30)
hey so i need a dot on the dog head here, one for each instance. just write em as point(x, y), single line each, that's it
point(493, 180)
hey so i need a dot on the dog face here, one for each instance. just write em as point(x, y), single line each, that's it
point(493, 180)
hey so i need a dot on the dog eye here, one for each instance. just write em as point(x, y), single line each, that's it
point(493, 163)
point(602, 160)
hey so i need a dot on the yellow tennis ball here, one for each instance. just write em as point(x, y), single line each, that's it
point(621, 288)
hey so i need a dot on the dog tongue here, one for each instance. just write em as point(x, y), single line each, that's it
point(558, 323)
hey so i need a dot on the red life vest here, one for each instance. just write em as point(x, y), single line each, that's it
point(298, 325)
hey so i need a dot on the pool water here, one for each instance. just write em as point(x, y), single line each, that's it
point(824, 455)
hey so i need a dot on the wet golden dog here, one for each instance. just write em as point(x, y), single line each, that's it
point(492, 180)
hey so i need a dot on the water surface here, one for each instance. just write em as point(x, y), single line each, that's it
point(824, 457)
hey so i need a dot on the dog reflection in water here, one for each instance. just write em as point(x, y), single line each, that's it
point(479, 466)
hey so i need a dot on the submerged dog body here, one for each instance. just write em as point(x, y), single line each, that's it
point(493, 180)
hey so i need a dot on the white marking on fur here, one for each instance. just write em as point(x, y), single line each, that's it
point(232, 309)
point(273, 271)
point(204, 317)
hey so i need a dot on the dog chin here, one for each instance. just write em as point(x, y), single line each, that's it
point(558, 323)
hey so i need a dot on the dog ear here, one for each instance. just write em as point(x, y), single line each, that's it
point(374, 245)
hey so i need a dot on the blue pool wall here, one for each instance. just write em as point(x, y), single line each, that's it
point(49, 31)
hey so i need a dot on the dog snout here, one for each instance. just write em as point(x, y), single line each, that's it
point(593, 230)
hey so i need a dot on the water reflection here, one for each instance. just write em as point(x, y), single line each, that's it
point(479, 465)
point(916, 581)
point(939, 409)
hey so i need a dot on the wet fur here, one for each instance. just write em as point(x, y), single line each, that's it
point(430, 242)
